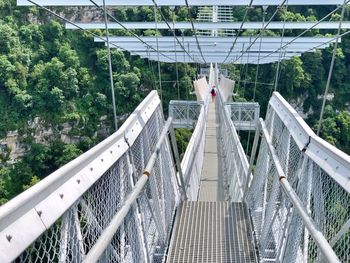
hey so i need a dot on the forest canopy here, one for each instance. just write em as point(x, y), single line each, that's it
point(61, 78)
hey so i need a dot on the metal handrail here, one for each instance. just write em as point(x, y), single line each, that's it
point(333, 161)
point(317, 235)
point(35, 204)
point(242, 178)
point(108, 233)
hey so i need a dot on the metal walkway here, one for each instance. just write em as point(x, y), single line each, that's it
point(212, 232)
point(211, 184)
point(92, 209)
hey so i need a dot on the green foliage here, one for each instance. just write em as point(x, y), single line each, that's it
point(63, 77)
point(293, 77)
point(183, 137)
point(36, 164)
point(69, 152)
point(34, 180)
point(336, 129)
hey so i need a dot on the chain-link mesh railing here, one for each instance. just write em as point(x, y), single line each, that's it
point(184, 113)
point(192, 161)
point(143, 235)
point(318, 174)
point(233, 160)
point(245, 115)
point(226, 88)
point(195, 113)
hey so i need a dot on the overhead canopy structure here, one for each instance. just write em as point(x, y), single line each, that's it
point(209, 44)
point(213, 25)
point(179, 2)
point(244, 59)
point(216, 49)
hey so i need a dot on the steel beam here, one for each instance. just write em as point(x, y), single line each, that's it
point(214, 25)
point(181, 2)
point(215, 50)
point(220, 60)
point(214, 40)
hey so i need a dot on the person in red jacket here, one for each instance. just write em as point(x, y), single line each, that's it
point(213, 93)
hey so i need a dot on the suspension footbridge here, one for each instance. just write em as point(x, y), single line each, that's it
point(131, 198)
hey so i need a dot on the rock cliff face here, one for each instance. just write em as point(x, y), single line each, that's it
point(12, 142)
point(44, 134)
point(76, 13)
point(298, 105)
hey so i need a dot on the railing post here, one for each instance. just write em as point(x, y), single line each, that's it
point(177, 160)
point(252, 157)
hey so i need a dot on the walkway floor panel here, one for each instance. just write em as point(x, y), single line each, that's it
point(212, 232)
point(211, 188)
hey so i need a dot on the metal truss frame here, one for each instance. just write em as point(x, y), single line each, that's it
point(181, 2)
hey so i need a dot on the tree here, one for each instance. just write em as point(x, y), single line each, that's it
point(8, 38)
point(127, 90)
point(34, 180)
point(293, 77)
point(183, 137)
point(68, 56)
point(4, 177)
point(69, 152)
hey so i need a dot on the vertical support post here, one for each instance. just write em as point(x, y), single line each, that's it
point(176, 67)
point(177, 161)
point(110, 68)
point(187, 113)
point(157, 42)
point(252, 158)
point(79, 236)
point(64, 238)
point(330, 70)
point(239, 118)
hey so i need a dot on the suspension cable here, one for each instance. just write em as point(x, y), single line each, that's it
point(331, 69)
point(150, 66)
point(281, 56)
point(241, 70)
point(257, 37)
point(246, 69)
point(172, 29)
point(260, 83)
point(129, 31)
point(195, 31)
point(176, 66)
point(257, 66)
point(329, 41)
point(239, 31)
point(183, 42)
point(245, 83)
point(307, 30)
point(264, 8)
point(99, 37)
point(110, 67)
point(280, 52)
point(74, 24)
point(159, 74)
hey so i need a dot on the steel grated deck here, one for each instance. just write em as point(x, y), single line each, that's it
point(212, 232)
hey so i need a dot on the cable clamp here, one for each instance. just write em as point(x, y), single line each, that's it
point(306, 145)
